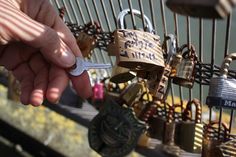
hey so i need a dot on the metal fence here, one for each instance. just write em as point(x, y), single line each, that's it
point(213, 38)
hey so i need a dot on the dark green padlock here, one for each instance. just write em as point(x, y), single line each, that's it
point(188, 134)
point(157, 122)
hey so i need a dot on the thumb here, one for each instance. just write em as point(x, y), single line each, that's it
point(17, 26)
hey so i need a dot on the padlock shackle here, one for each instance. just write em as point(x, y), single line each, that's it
point(190, 53)
point(188, 110)
point(226, 63)
point(123, 13)
point(172, 47)
point(211, 125)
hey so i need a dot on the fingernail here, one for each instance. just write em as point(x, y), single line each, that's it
point(68, 59)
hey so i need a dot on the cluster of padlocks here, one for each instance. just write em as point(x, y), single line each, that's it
point(150, 66)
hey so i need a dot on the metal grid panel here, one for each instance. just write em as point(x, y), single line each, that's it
point(213, 39)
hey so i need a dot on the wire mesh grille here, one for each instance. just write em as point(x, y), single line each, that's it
point(213, 39)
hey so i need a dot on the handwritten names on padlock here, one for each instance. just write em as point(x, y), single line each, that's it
point(139, 47)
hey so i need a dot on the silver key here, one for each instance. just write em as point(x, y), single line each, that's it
point(82, 65)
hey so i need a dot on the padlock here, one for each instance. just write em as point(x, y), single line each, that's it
point(168, 141)
point(202, 8)
point(136, 49)
point(129, 94)
point(228, 148)
point(185, 70)
point(115, 130)
point(121, 74)
point(222, 90)
point(213, 138)
point(156, 81)
point(188, 135)
point(157, 122)
point(98, 94)
point(141, 104)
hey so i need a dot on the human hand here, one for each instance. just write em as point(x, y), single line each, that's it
point(38, 48)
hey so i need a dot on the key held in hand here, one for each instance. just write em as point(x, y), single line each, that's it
point(81, 65)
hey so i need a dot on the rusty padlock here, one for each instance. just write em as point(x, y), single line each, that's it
point(213, 138)
point(86, 40)
point(190, 127)
point(136, 49)
point(184, 72)
point(121, 74)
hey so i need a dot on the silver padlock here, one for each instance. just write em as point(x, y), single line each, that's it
point(136, 49)
point(184, 72)
point(202, 8)
point(222, 90)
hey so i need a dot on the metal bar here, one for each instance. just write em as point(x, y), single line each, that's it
point(200, 58)
point(80, 11)
point(68, 12)
point(213, 42)
point(132, 15)
point(152, 15)
point(106, 15)
point(74, 12)
point(189, 42)
point(89, 12)
point(113, 12)
point(163, 17)
point(120, 5)
point(100, 22)
point(142, 13)
point(227, 37)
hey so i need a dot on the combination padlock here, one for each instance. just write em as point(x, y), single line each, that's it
point(222, 90)
point(121, 74)
point(184, 72)
point(157, 81)
point(190, 128)
point(136, 49)
point(202, 8)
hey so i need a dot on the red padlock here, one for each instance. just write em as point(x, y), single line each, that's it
point(98, 94)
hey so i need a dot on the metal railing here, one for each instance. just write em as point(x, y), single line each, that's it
point(212, 38)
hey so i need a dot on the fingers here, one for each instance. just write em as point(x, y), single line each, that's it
point(58, 81)
point(40, 69)
point(18, 26)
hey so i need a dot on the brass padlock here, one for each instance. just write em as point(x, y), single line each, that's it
point(190, 128)
point(202, 8)
point(129, 94)
point(213, 138)
point(136, 49)
point(185, 71)
point(121, 74)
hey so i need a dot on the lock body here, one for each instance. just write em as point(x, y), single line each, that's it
point(185, 73)
point(138, 50)
point(115, 130)
point(86, 44)
point(121, 75)
point(222, 92)
point(202, 8)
